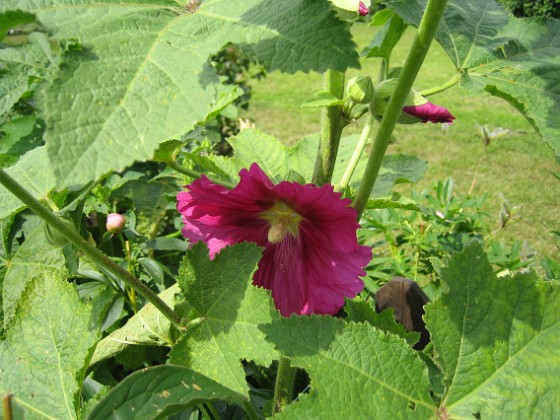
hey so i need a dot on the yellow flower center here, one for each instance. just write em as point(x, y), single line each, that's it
point(283, 220)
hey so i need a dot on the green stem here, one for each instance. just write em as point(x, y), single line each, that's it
point(284, 387)
point(251, 411)
point(420, 46)
point(349, 171)
point(194, 174)
point(449, 84)
point(331, 129)
point(93, 253)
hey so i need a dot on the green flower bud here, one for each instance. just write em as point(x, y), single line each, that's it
point(56, 238)
point(360, 89)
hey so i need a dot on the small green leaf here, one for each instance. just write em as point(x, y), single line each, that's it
point(396, 201)
point(347, 360)
point(322, 99)
point(147, 327)
point(387, 37)
point(158, 392)
point(496, 341)
point(221, 293)
point(46, 350)
point(360, 311)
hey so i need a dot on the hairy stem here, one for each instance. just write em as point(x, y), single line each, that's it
point(331, 128)
point(423, 39)
point(360, 146)
point(92, 252)
point(284, 387)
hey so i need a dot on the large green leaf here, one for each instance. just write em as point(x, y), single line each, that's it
point(142, 75)
point(496, 341)
point(515, 59)
point(34, 257)
point(158, 392)
point(231, 310)
point(356, 370)
point(46, 350)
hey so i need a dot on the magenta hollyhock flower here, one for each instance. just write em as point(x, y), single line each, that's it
point(429, 112)
point(362, 9)
point(311, 257)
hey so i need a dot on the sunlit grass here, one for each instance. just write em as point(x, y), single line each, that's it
point(517, 165)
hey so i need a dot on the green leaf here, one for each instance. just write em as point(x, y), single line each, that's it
point(360, 311)
point(387, 37)
point(496, 341)
point(20, 135)
point(322, 99)
point(12, 88)
point(395, 201)
point(253, 146)
point(158, 392)
point(142, 75)
point(231, 310)
point(13, 19)
point(515, 59)
point(34, 173)
point(34, 257)
point(46, 350)
point(277, 160)
point(349, 360)
point(150, 203)
point(147, 327)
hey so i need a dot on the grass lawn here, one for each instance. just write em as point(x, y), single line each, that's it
point(516, 165)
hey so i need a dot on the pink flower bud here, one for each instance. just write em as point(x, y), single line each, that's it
point(362, 9)
point(115, 222)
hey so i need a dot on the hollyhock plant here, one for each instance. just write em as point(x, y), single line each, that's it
point(311, 259)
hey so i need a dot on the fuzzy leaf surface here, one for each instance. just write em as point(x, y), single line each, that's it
point(496, 341)
point(515, 59)
point(34, 172)
point(160, 391)
point(220, 292)
point(349, 360)
point(46, 350)
point(140, 75)
point(34, 257)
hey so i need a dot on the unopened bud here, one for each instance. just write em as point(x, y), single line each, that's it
point(362, 9)
point(360, 89)
point(115, 222)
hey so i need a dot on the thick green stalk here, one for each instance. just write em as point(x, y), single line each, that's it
point(360, 146)
point(420, 46)
point(284, 387)
point(331, 129)
point(93, 253)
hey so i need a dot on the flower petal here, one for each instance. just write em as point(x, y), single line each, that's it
point(429, 112)
point(308, 272)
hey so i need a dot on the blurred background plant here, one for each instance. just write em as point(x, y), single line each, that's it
point(530, 8)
